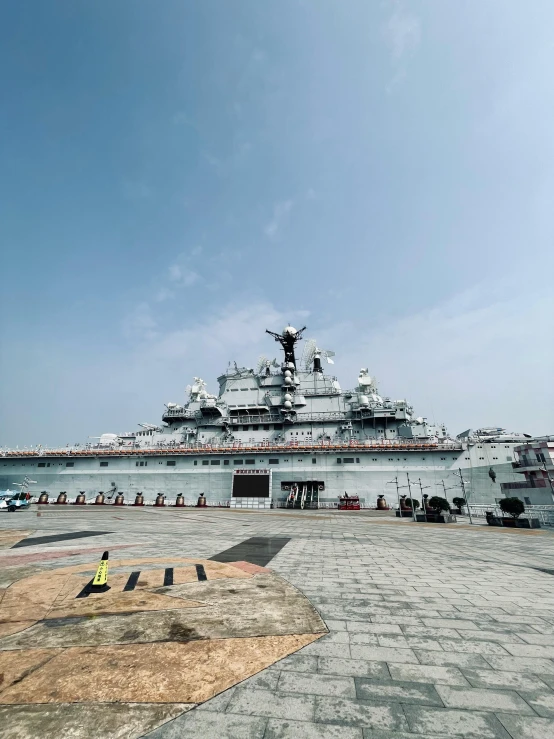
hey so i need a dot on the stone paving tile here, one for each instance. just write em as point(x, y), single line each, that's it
point(272, 704)
point(218, 703)
point(449, 623)
point(530, 650)
point(296, 663)
point(326, 649)
point(542, 701)
point(474, 647)
point(492, 636)
point(428, 674)
point(409, 642)
point(357, 713)
point(479, 699)
point(499, 679)
point(353, 667)
point(397, 692)
point(460, 659)
point(363, 637)
point(546, 639)
point(382, 654)
point(452, 723)
point(277, 729)
point(372, 628)
point(319, 684)
point(521, 664)
point(206, 725)
point(526, 727)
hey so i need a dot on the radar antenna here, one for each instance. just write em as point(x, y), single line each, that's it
point(313, 354)
point(288, 338)
point(264, 364)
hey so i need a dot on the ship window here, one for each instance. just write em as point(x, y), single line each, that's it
point(266, 427)
point(357, 460)
point(244, 389)
point(467, 457)
point(246, 428)
point(48, 465)
point(170, 463)
point(254, 428)
point(249, 461)
point(70, 464)
point(314, 460)
point(237, 461)
point(339, 460)
point(215, 461)
point(205, 461)
point(234, 389)
point(348, 460)
point(103, 464)
point(273, 461)
point(278, 426)
point(141, 464)
point(506, 447)
point(443, 457)
point(226, 461)
point(195, 462)
point(41, 464)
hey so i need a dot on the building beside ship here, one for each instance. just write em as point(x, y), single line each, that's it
point(284, 433)
point(535, 461)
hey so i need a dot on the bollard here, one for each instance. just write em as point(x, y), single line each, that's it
point(99, 499)
point(139, 500)
point(80, 499)
point(160, 501)
point(43, 498)
point(62, 499)
point(180, 501)
point(201, 501)
point(119, 499)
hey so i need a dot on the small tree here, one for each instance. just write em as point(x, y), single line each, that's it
point(408, 502)
point(512, 507)
point(439, 504)
point(458, 502)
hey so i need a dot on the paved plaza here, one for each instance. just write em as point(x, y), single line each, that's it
point(433, 631)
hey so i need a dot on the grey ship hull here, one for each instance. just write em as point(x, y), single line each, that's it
point(370, 474)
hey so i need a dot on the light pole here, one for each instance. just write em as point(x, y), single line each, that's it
point(411, 499)
point(421, 489)
point(462, 483)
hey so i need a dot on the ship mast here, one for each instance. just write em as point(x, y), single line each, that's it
point(288, 338)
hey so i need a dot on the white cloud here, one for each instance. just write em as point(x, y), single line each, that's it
point(183, 276)
point(140, 323)
point(402, 34)
point(280, 216)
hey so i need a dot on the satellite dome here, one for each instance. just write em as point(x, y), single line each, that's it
point(287, 404)
point(289, 331)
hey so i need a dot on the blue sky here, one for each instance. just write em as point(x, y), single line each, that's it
point(178, 176)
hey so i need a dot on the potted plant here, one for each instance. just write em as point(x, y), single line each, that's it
point(514, 507)
point(459, 503)
point(405, 509)
point(441, 511)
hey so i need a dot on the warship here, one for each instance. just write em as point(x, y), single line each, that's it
point(281, 435)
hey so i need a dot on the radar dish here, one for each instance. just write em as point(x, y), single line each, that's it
point(311, 351)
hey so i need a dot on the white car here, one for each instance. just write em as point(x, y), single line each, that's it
point(13, 500)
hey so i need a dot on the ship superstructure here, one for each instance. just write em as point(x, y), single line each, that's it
point(284, 432)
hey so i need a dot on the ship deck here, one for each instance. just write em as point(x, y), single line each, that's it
point(435, 631)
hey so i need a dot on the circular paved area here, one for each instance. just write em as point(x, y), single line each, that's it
point(434, 631)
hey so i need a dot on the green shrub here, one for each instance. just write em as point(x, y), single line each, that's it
point(408, 502)
point(512, 507)
point(439, 504)
point(459, 502)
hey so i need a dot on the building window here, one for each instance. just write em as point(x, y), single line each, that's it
point(357, 460)
point(215, 461)
point(249, 461)
point(103, 464)
point(273, 461)
point(246, 428)
point(226, 461)
point(170, 463)
point(339, 460)
point(70, 464)
point(40, 464)
point(195, 462)
point(314, 460)
point(141, 464)
point(237, 461)
point(205, 462)
point(348, 460)
point(266, 427)
point(254, 428)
